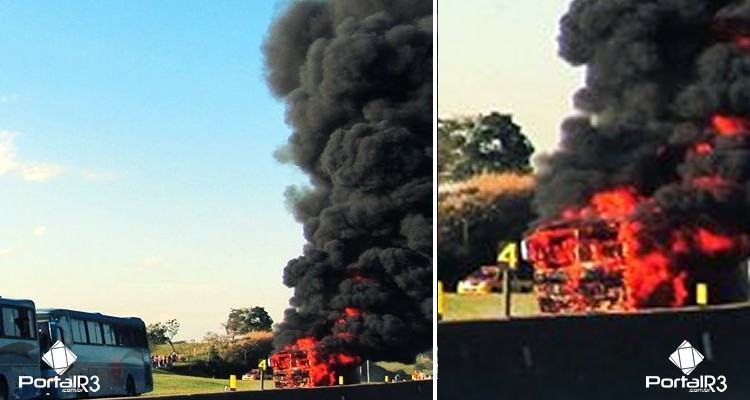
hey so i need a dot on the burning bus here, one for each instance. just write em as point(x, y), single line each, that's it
point(579, 266)
point(601, 258)
point(306, 364)
point(291, 369)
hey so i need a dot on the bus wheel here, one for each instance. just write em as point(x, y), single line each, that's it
point(3, 390)
point(130, 387)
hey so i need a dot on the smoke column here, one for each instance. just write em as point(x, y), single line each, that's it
point(356, 77)
point(664, 118)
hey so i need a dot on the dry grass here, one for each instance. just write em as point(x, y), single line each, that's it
point(483, 188)
point(199, 350)
point(254, 337)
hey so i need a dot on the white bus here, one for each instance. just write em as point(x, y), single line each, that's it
point(112, 352)
point(19, 349)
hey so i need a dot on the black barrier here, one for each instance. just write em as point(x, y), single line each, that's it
point(414, 390)
point(594, 356)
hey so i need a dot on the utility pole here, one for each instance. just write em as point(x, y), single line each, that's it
point(506, 291)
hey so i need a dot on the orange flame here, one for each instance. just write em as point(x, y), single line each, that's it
point(605, 240)
point(646, 273)
point(323, 369)
point(615, 203)
point(703, 149)
point(712, 243)
point(349, 312)
point(729, 126)
point(352, 312)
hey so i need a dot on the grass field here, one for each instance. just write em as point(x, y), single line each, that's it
point(166, 383)
point(194, 351)
point(472, 307)
point(392, 366)
point(171, 383)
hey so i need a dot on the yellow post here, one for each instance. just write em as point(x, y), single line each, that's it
point(262, 367)
point(386, 378)
point(440, 300)
point(701, 294)
point(341, 380)
point(233, 383)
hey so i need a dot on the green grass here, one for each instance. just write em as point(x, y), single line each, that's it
point(392, 366)
point(193, 351)
point(491, 306)
point(167, 383)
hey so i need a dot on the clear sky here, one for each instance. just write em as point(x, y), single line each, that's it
point(502, 55)
point(136, 168)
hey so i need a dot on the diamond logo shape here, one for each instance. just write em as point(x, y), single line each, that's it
point(59, 358)
point(686, 357)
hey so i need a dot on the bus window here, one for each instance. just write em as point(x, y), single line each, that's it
point(109, 335)
point(95, 332)
point(17, 323)
point(125, 336)
point(26, 325)
point(79, 331)
point(140, 334)
point(9, 326)
point(45, 339)
point(60, 334)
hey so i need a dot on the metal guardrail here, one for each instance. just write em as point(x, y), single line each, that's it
point(591, 356)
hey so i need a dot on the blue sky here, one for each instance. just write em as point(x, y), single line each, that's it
point(136, 167)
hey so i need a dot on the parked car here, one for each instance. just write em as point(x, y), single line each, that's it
point(252, 375)
point(485, 280)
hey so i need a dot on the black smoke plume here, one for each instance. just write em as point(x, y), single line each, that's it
point(659, 72)
point(356, 77)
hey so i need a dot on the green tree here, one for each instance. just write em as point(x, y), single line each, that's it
point(162, 332)
point(245, 320)
point(156, 334)
point(452, 135)
point(491, 143)
point(213, 355)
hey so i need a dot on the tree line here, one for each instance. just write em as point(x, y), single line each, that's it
point(485, 193)
point(247, 338)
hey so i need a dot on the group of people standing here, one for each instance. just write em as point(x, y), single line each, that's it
point(164, 361)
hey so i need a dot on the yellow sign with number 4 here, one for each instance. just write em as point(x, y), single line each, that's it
point(509, 255)
point(262, 364)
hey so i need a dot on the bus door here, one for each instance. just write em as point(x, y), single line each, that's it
point(49, 334)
